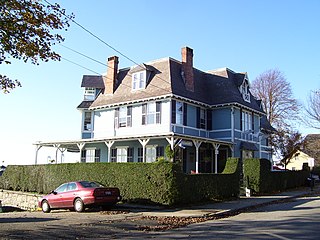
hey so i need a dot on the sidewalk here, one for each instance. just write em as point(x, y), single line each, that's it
point(220, 208)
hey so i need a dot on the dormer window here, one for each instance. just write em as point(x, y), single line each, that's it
point(139, 80)
point(244, 89)
point(89, 94)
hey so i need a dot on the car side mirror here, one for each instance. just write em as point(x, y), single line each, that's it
point(54, 192)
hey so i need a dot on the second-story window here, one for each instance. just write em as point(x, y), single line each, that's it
point(179, 112)
point(246, 118)
point(139, 80)
point(87, 121)
point(89, 94)
point(123, 117)
point(202, 118)
point(151, 113)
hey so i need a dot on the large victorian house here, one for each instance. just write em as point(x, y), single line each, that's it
point(141, 113)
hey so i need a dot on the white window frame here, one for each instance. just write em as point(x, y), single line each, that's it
point(89, 94)
point(150, 113)
point(246, 121)
point(90, 155)
point(179, 112)
point(87, 125)
point(151, 153)
point(122, 153)
point(244, 89)
point(139, 80)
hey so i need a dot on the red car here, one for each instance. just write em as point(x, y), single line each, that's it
point(79, 195)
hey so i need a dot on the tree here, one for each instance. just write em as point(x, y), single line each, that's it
point(277, 99)
point(313, 110)
point(281, 108)
point(28, 32)
point(288, 143)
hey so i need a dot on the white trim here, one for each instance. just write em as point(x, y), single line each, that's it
point(132, 102)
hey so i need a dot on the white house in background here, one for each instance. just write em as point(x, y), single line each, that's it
point(134, 114)
point(298, 159)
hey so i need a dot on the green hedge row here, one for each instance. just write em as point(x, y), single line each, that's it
point(160, 182)
point(152, 182)
point(259, 177)
point(206, 187)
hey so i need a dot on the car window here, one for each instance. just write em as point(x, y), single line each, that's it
point(72, 186)
point(62, 188)
point(87, 184)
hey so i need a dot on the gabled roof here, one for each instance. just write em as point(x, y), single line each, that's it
point(211, 88)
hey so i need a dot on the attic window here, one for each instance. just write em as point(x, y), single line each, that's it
point(244, 89)
point(89, 94)
point(139, 80)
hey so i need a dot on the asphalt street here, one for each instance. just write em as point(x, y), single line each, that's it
point(289, 218)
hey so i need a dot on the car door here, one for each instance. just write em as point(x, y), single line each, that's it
point(56, 197)
point(69, 195)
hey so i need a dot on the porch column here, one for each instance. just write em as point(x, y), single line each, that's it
point(57, 148)
point(197, 144)
point(80, 146)
point(144, 143)
point(37, 150)
point(216, 152)
point(62, 150)
point(171, 141)
point(109, 145)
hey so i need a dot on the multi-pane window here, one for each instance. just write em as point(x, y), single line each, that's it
point(130, 154)
point(151, 113)
point(139, 80)
point(202, 118)
point(246, 121)
point(87, 121)
point(140, 154)
point(90, 155)
point(123, 117)
point(121, 154)
point(152, 152)
point(89, 94)
point(179, 112)
point(113, 155)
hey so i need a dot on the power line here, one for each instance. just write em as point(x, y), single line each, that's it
point(94, 35)
point(75, 51)
point(104, 42)
point(84, 55)
point(80, 66)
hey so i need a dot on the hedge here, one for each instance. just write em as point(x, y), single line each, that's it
point(259, 177)
point(206, 187)
point(160, 182)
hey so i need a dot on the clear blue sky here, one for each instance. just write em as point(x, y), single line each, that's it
point(245, 36)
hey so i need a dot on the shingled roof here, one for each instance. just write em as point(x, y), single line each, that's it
point(213, 88)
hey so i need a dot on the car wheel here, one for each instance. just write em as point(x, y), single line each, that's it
point(78, 205)
point(45, 206)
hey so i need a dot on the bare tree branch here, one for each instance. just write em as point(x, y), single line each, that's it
point(277, 99)
point(313, 110)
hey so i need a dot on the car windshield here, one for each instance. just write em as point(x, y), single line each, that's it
point(87, 184)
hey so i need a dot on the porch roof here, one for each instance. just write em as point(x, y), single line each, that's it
point(74, 145)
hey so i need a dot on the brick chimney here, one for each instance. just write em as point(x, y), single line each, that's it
point(111, 78)
point(187, 68)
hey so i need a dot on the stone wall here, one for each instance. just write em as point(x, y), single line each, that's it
point(22, 200)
